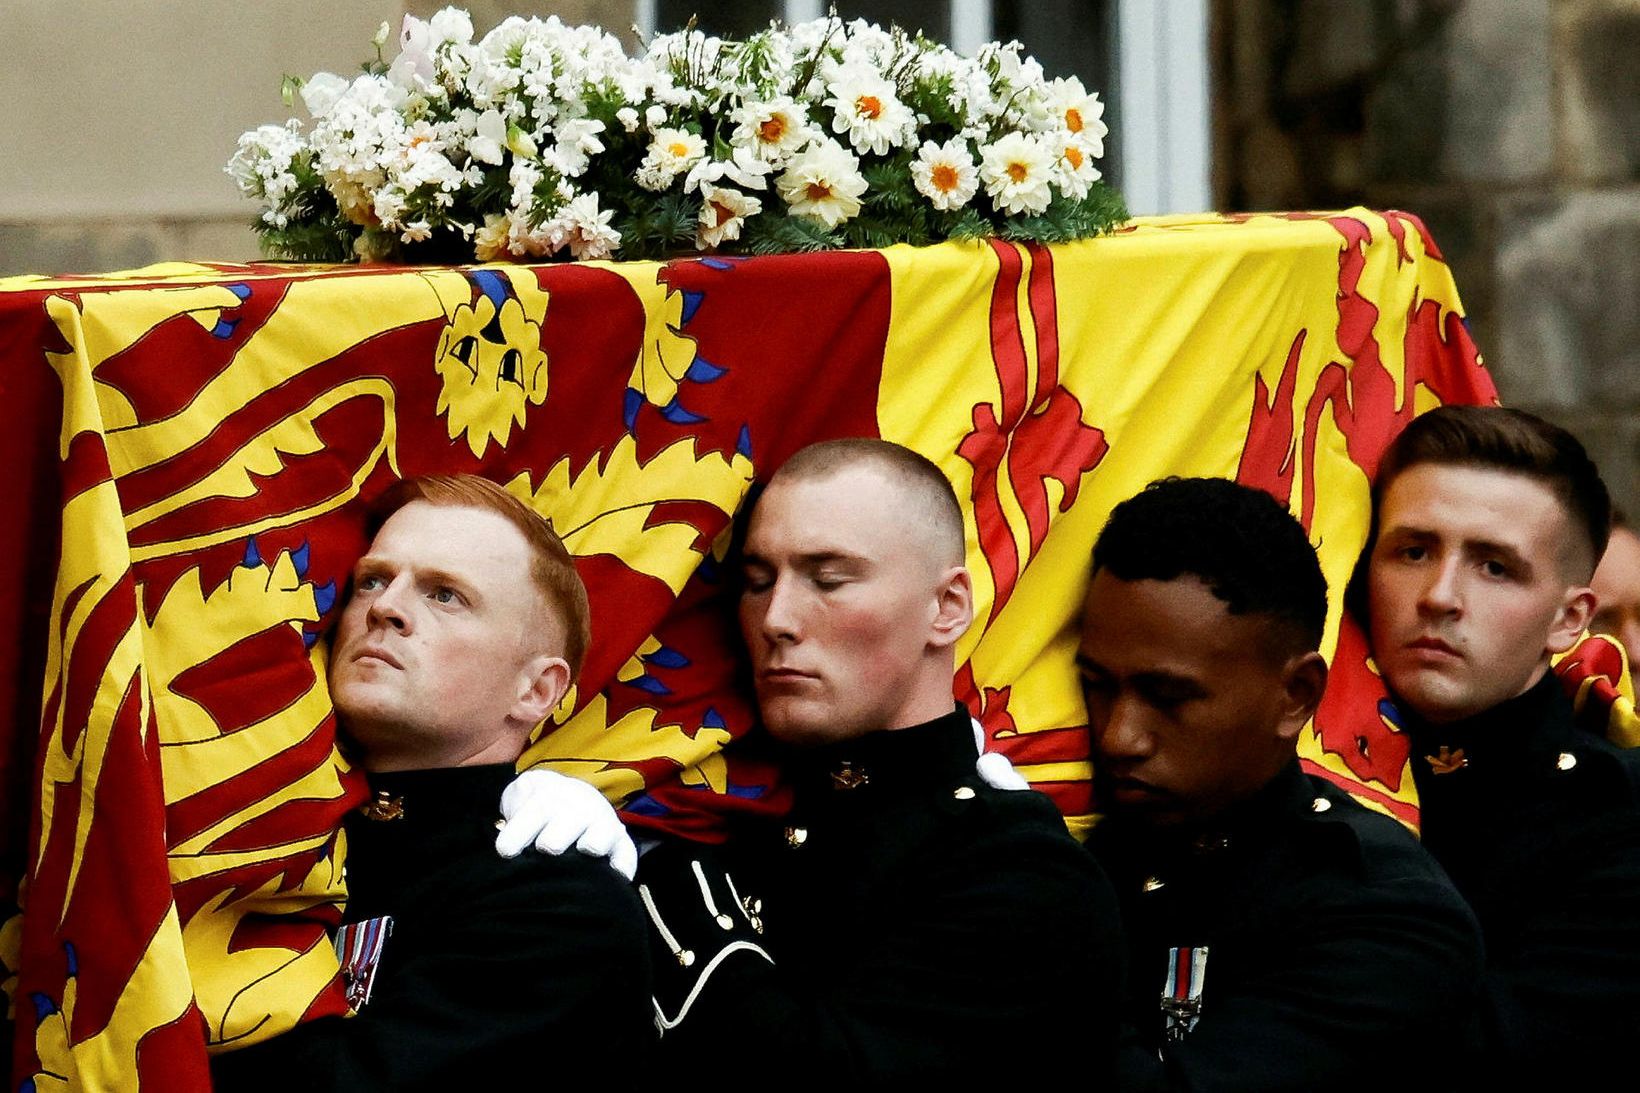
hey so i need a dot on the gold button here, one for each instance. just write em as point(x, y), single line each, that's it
point(796, 836)
point(1320, 804)
point(964, 793)
point(1566, 761)
point(1153, 883)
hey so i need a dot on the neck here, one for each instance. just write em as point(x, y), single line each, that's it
point(1440, 718)
point(425, 755)
point(928, 698)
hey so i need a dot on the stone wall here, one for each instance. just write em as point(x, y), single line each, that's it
point(1512, 127)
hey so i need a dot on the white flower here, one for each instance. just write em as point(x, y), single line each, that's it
point(743, 168)
point(576, 143)
point(1016, 171)
point(722, 212)
point(628, 118)
point(489, 138)
point(414, 64)
point(320, 93)
point(670, 153)
point(587, 230)
point(416, 231)
point(450, 25)
point(773, 130)
point(1076, 172)
point(823, 183)
point(389, 203)
point(1081, 113)
point(945, 174)
point(869, 112)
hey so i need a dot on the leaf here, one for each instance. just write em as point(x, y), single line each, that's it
point(588, 746)
point(608, 507)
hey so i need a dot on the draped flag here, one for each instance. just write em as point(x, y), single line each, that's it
point(200, 442)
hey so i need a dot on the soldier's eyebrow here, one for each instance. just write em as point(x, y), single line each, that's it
point(374, 565)
point(1503, 552)
point(813, 559)
point(816, 558)
point(432, 575)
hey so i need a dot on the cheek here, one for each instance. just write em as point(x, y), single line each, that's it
point(1383, 599)
point(750, 613)
point(872, 636)
point(348, 627)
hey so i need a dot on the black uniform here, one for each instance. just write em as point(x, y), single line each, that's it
point(1538, 822)
point(909, 923)
point(492, 966)
point(1339, 956)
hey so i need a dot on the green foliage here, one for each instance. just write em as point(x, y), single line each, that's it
point(787, 235)
point(1066, 220)
point(658, 228)
point(328, 239)
point(967, 224)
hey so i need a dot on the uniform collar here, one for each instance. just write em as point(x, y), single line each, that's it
point(421, 800)
point(1504, 736)
point(931, 755)
point(1289, 792)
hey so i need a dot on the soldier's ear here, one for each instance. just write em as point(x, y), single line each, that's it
point(1573, 617)
point(541, 686)
point(1303, 681)
point(953, 607)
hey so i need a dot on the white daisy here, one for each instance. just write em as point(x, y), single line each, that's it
point(774, 130)
point(823, 183)
point(945, 173)
point(723, 211)
point(868, 110)
point(1016, 171)
point(671, 152)
point(1076, 172)
point(1081, 113)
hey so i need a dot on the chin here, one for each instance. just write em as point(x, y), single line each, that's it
point(799, 728)
point(1435, 702)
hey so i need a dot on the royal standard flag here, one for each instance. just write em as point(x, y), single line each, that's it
point(197, 445)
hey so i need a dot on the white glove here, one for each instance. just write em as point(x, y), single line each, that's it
point(992, 766)
point(555, 812)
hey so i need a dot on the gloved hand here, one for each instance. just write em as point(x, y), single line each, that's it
point(555, 812)
point(992, 766)
point(698, 918)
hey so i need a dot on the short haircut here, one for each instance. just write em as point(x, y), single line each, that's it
point(1239, 541)
point(551, 566)
point(924, 483)
point(1496, 438)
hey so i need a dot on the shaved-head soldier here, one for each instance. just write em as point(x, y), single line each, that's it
point(907, 921)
